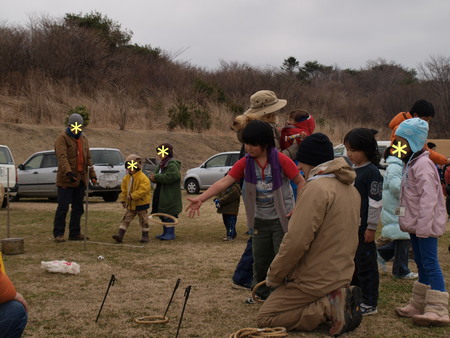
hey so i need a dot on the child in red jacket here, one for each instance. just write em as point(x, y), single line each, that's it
point(299, 125)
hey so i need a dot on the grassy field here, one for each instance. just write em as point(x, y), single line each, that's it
point(67, 305)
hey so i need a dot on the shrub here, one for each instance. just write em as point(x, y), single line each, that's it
point(83, 111)
point(189, 117)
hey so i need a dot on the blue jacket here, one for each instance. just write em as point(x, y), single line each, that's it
point(391, 196)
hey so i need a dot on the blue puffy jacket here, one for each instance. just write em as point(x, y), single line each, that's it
point(391, 196)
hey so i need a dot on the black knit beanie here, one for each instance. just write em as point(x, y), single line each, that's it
point(315, 149)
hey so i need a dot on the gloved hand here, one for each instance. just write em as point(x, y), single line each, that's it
point(216, 201)
point(72, 177)
point(94, 181)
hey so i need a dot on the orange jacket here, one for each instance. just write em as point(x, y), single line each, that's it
point(399, 118)
point(7, 289)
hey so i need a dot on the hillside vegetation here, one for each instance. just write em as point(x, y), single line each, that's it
point(54, 64)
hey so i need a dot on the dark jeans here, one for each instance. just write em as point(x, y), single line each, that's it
point(230, 224)
point(67, 196)
point(366, 271)
point(267, 237)
point(13, 319)
point(243, 275)
point(399, 251)
point(426, 258)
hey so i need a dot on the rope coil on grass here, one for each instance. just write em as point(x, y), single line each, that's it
point(264, 332)
point(256, 287)
point(159, 222)
point(152, 320)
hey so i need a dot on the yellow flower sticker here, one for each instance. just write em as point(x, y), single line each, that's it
point(132, 165)
point(163, 151)
point(76, 128)
point(399, 149)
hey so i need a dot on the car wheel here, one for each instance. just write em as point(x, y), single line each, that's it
point(110, 196)
point(15, 198)
point(192, 186)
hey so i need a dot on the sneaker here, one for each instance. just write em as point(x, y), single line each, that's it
point(381, 263)
point(345, 310)
point(228, 239)
point(368, 310)
point(411, 275)
point(79, 237)
point(240, 287)
point(59, 239)
point(250, 300)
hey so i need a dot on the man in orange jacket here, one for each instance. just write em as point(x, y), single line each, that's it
point(13, 309)
point(425, 111)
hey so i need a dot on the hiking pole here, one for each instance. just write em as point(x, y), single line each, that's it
point(111, 282)
point(186, 296)
point(86, 215)
point(173, 293)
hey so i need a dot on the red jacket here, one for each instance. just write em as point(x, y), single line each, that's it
point(306, 127)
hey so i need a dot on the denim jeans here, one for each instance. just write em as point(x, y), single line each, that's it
point(267, 237)
point(13, 319)
point(399, 251)
point(426, 258)
point(67, 196)
point(230, 224)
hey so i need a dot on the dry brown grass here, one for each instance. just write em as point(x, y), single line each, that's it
point(67, 305)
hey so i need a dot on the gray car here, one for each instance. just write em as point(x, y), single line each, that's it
point(37, 175)
point(210, 171)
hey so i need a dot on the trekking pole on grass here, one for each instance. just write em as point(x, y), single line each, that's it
point(111, 282)
point(186, 296)
point(171, 298)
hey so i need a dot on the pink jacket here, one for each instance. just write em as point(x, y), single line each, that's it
point(421, 195)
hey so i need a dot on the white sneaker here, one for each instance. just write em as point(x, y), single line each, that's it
point(411, 275)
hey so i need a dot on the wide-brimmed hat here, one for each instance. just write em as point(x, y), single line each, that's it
point(264, 102)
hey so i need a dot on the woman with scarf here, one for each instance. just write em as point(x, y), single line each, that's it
point(167, 195)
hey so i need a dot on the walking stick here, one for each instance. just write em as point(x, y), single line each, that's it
point(86, 215)
point(111, 282)
point(186, 296)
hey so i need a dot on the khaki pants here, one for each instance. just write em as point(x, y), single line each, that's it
point(290, 307)
point(130, 215)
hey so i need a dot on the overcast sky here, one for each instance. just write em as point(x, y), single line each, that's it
point(343, 33)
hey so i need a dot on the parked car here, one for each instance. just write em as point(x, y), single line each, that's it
point(340, 151)
point(8, 173)
point(210, 171)
point(37, 175)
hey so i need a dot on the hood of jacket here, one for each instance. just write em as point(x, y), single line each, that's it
point(337, 167)
point(135, 158)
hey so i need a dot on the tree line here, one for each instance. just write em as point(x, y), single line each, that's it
point(52, 65)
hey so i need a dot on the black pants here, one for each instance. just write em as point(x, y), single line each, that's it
point(366, 271)
point(67, 196)
point(243, 275)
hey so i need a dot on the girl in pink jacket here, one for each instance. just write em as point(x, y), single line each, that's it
point(422, 213)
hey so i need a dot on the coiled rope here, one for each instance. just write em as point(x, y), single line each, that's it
point(264, 332)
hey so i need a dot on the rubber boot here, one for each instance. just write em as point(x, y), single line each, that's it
point(436, 310)
point(119, 237)
point(169, 235)
point(416, 304)
point(144, 238)
point(163, 234)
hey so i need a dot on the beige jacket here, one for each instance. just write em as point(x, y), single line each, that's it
point(66, 152)
point(318, 250)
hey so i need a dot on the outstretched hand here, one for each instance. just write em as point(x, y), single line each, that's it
point(194, 206)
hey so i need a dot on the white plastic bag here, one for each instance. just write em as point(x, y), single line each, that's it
point(61, 266)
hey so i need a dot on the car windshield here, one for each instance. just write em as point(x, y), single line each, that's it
point(5, 156)
point(106, 157)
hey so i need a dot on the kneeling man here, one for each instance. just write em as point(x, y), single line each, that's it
point(314, 266)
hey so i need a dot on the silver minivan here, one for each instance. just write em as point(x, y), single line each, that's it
point(7, 173)
point(37, 175)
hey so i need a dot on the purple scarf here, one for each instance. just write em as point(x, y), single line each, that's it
point(250, 173)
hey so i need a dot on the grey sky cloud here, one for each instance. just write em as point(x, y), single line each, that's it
point(345, 33)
